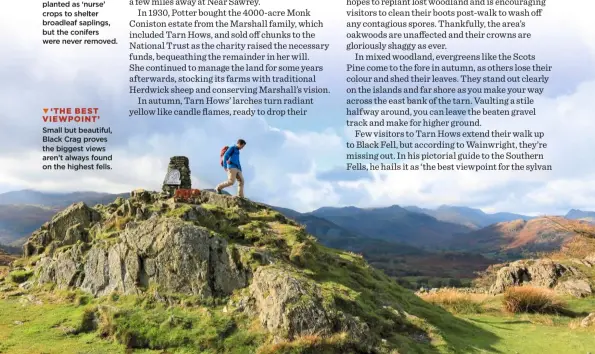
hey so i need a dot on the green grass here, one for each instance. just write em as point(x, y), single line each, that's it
point(580, 305)
point(42, 330)
point(63, 323)
point(20, 276)
point(530, 334)
point(69, 322)
point(500, 332)
point(161, 328)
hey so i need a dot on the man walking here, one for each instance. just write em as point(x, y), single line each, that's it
point(231, 163)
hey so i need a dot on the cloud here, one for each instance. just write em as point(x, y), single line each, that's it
point(340, 174)
point(298, 161)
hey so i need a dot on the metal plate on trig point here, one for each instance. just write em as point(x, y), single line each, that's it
point(173, 178)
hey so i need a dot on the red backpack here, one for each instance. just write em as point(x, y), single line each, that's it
point(223, 150)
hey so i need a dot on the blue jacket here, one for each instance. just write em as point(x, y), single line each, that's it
point(233, 156)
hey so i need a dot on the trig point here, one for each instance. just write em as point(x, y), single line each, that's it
point(178, 175)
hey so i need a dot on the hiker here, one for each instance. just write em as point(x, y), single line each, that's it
point(230, 160)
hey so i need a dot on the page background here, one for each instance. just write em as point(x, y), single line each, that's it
point(292, 162)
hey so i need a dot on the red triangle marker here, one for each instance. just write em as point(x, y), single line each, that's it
point(45, 110)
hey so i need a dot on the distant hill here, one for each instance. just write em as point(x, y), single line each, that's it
point(394, 224)
point(394, 258)
point(7, 249)
point(543, 234)
point(222, 192)
point(22, 212)
point(18, 221)
point(61, 200)
point(402, 242)
point(472, 218)
point(335, 236)
point(576, 214)
point(5, 257)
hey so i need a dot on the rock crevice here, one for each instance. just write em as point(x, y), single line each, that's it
point(542, 273)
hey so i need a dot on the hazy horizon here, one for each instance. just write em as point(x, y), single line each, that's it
point(421, 206)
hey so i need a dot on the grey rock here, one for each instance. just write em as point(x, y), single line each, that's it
point(514, 274)
point(26, 285)
point(541, 273)
point(175, 256)
point(66, 228)
point(288, 305)
point(142, 195)
point(589, 320)
point(576, 287)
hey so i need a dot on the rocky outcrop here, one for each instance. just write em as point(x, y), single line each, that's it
point(216, 247)
point(575, 287)
point(169, 254)
point(292, 306)
point(541, 273)
point(288, 304)
point(66, 228)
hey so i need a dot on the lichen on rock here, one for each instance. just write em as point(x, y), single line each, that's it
point(218, 249)
point(543, 273)
point(66, 228)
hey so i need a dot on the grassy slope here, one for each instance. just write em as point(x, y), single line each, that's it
point(538, 333)
point(41, 321)
point(56, 324)
point(42, 331)
point(521, 333)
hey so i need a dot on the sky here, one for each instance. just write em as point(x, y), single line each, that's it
point(295, 162)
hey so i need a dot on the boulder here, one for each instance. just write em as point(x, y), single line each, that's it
point(65, 270)
point(141, 195)
point(545, 273)
point(589, 320)
point(575, 287)
point(289, 305)
point(172, 255)
point(541, 273)
point(225, 201)
point(512, 275)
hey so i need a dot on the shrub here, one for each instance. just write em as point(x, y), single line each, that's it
point(456, 302)
point(20, 276)
point(528, 299)
point(312, 344)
